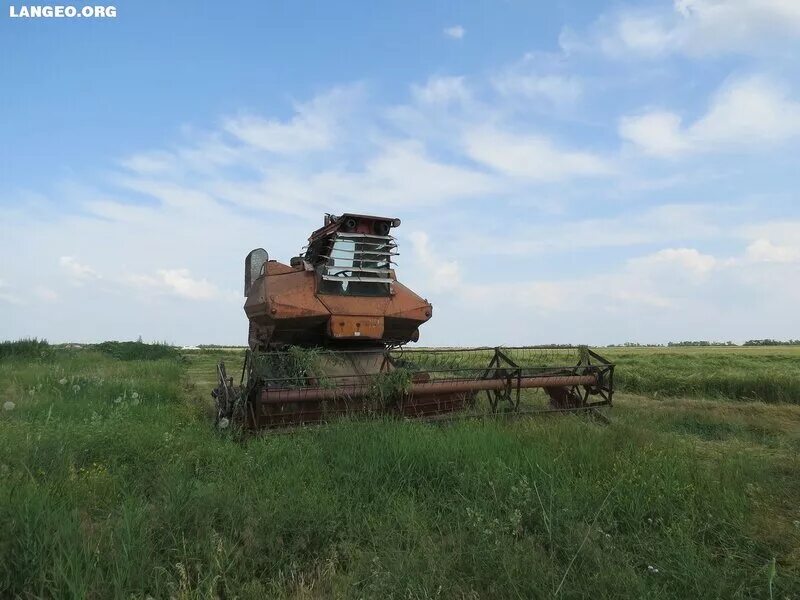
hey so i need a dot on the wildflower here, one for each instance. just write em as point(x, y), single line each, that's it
point(652, 569)
point(63, 381)
point(135, 395)
point(223, 422)
point(9, 405)
point(76, 388)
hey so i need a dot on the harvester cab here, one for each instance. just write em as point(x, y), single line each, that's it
point(341, 292)
point(327, 335)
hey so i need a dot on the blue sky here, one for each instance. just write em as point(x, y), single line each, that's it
point(565, 172)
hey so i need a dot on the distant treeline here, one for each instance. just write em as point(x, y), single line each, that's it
point(764, 342)
point(701, 343)
point(139, 350)
point(769, 342)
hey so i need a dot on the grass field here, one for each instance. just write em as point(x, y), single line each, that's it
point(114, 484)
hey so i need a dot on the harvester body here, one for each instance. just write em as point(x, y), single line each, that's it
point(327, 335)
point(342, 292)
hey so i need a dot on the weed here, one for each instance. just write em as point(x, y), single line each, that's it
point(390, 386)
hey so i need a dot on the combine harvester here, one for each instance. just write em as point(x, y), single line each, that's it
point(327, 335)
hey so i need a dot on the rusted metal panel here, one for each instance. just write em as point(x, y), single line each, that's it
point(356, 327)
point(278, 268)
point(356, 305)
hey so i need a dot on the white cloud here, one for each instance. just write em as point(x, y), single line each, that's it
point(542, 298)
point(709, 26)
point(638, 35)
point(178, 282)
point(455, 32)
point(77, 271)
point(785, 232)
point(666, 224)
point(440, 273)
point(656, 132)
point(313, 127)
point(298, 135)
point(670, 294)
point(687, 261)
point(539, 78)
point(765, 251)
point(692, 27)
point(149, 162)
point(556, 89)
point(366, 165)
point(531, 157)
point(745, 113)
point(203, 153)
point(441, 91)
point(402, 174)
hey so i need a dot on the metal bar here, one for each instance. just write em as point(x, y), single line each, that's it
point(461, 374)
point(335, 269)
point(280, 395)
point(342, 234)
point(596, 356)
point(359, 245)
point(357, 279)
point(492, 348)
point(378, 249)
point(467, 350)
point(360, 254)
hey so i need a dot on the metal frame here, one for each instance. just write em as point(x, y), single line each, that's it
point(437, 393)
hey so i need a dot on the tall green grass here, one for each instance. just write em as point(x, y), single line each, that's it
point(725, 373)
point(114, 484)
point(25, 348)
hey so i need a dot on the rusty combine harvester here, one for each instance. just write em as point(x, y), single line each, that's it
point(327, 335)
